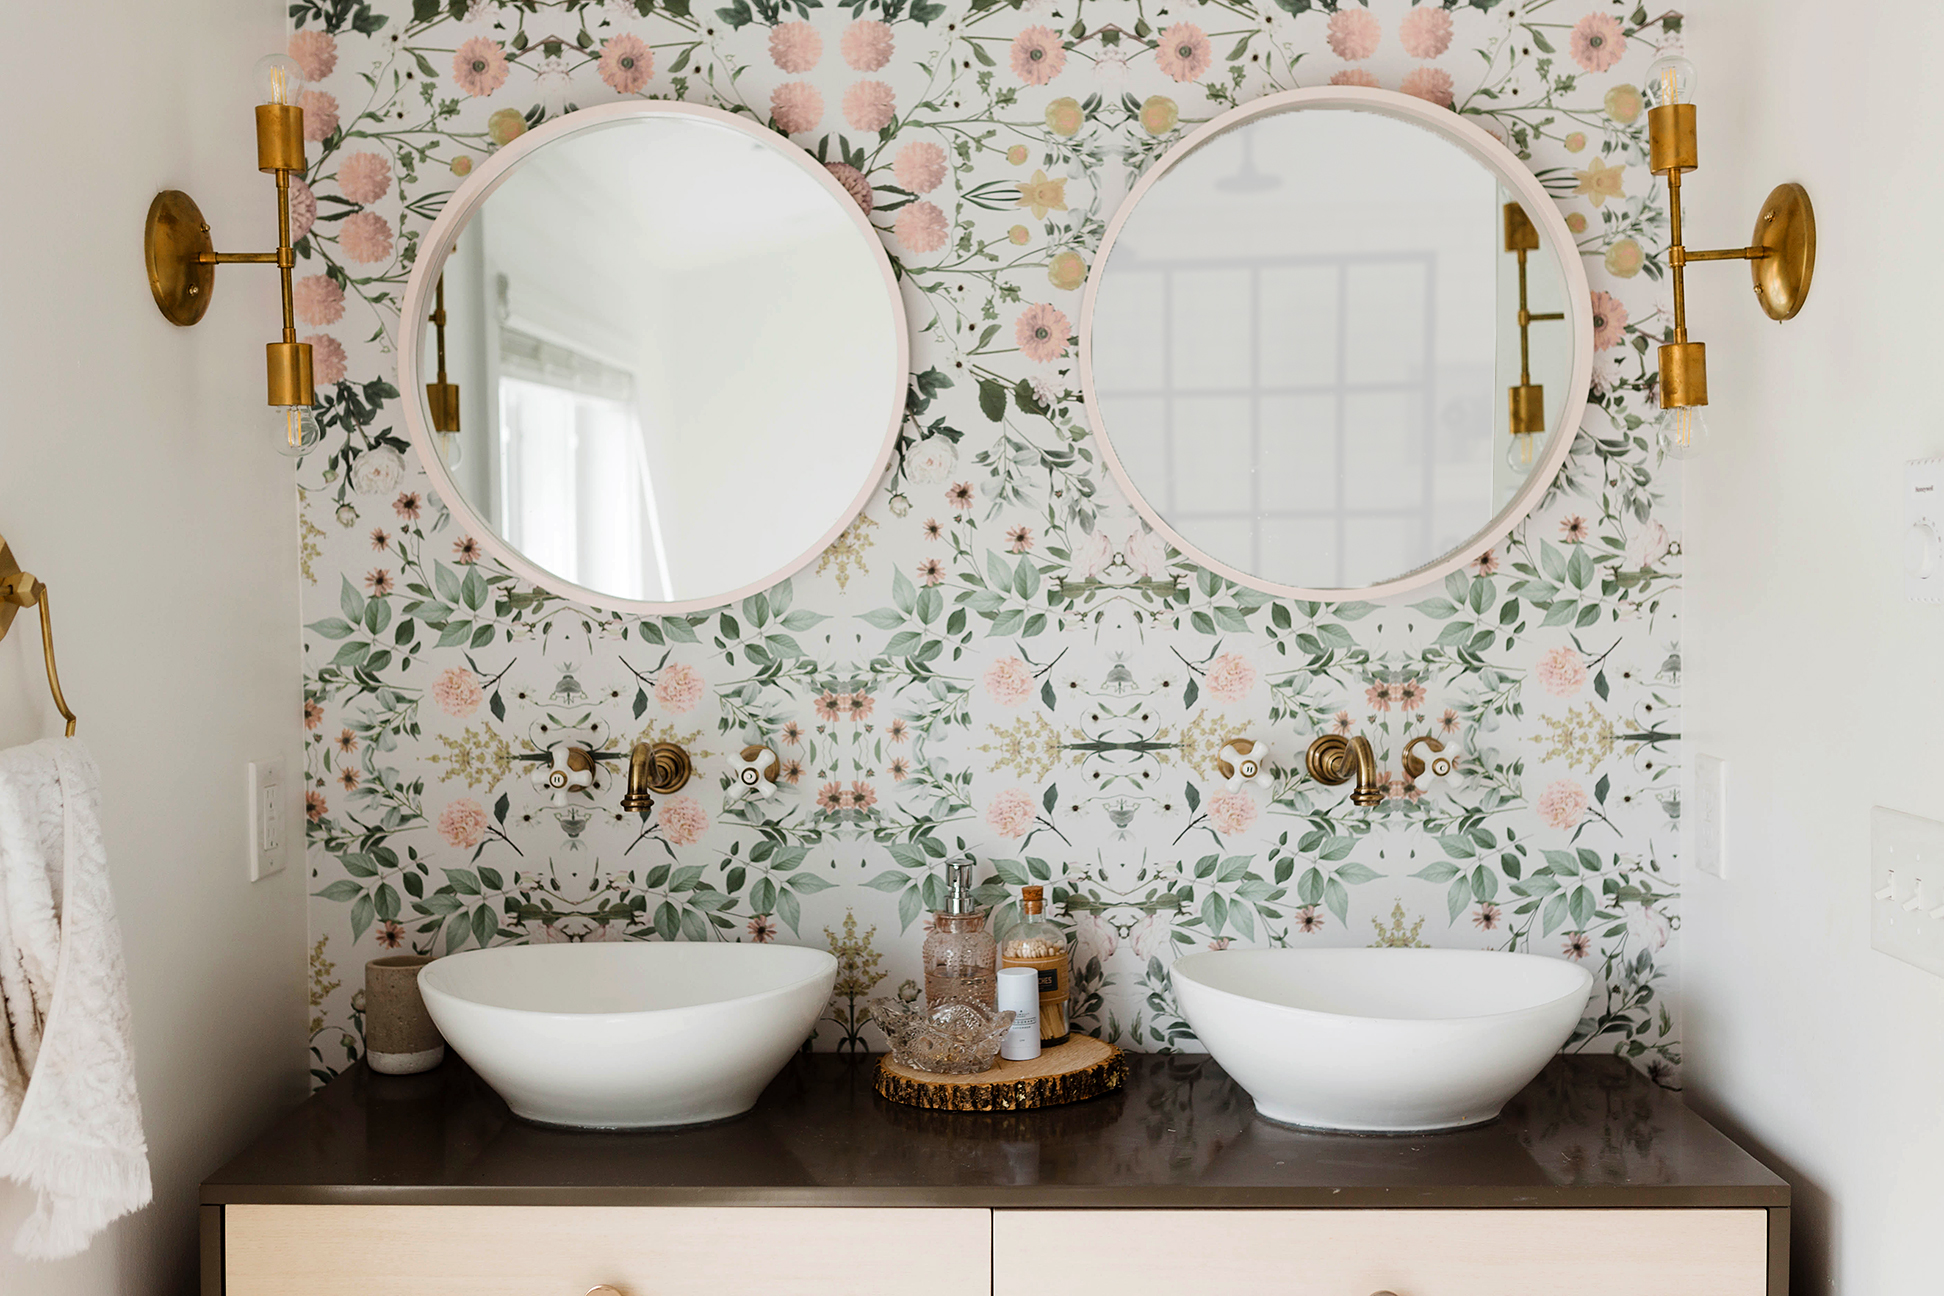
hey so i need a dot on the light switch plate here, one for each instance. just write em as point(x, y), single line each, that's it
point(1923, 557)
point(1710, 806)
point(269, 818)
point(1907, 888)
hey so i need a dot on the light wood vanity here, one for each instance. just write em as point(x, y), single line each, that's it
point(1594, 1182)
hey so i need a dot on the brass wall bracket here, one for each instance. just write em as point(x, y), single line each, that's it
point(1525, 403)
point(1334, 759)
point(19, 589)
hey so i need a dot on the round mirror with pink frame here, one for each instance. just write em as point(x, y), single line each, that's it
point(1336, 343)
point(654, 357)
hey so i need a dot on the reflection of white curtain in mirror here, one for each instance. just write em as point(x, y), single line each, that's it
point(577, 498)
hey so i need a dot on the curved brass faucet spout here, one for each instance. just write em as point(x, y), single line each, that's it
point(1335, 759)
point(654, 768)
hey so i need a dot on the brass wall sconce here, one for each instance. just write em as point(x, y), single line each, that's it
point(19, 589)
point(182, 259)
point(1781, 253)
point(1526, 402)
point(442, 397)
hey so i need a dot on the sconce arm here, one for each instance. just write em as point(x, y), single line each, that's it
point(1679, 255)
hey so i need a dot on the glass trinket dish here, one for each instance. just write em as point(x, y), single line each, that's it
point(954, 1038)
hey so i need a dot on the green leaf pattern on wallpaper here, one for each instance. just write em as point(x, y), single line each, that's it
point(997, 657)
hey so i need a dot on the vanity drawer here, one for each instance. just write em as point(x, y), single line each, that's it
point(1359, 1252)
point(564, 1250)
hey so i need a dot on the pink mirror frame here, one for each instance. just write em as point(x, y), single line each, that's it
point(1519, 181)
point(437, 245)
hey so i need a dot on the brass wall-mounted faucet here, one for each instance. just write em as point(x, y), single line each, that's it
point(659, 769)
point(1335, 759)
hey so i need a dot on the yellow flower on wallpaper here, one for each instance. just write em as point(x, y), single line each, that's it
point(1600, 182)
point(1043, 195)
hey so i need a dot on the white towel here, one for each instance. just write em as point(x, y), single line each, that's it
point(70, 1121)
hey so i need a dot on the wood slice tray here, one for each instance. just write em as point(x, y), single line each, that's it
point(1081, 1068)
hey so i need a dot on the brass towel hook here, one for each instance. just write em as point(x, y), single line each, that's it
point(19, 589)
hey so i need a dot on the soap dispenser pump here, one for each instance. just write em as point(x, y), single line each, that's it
point(961, 959)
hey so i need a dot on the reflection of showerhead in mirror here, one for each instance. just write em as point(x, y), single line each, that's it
point(1248, 179)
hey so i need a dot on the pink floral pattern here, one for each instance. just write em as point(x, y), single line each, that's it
point(921, 227)
point(867, 45)
point(795, 107)
point(679, 688)
point(463, 824)
point(1354, 34)
point(1562, 671)
point(1009, 681)
point(920, 166)
point(479, 66)
point(1597, 42)
point(314, 52)
point(1232, 813)
point(1425, 32)
point(457, 691)
point(317, 299)
point(795, 46)
point(366, 237)
point(870, 105)
point(363, 177)
point(1609, 320)
point(1042, 332)
point(1183, 52)
point(1562, 804)
point(1038, 55)
point(627, 64)
point(1011, 813)
point(1431, 84)
point(682, 819)
point(1230, 678)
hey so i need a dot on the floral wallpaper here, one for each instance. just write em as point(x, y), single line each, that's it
point(997, 657)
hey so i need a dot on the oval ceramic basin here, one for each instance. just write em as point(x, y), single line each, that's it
point(1387, 1040)
point(629, 1035)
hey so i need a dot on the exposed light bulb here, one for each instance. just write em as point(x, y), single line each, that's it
point(1682, 431)
point(296, 429)
point(451, 448)
point(1523, 453)
point(278, 80)
point(1670, 80)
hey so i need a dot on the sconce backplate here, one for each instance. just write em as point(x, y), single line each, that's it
point(1787, 229)
point(175, 236)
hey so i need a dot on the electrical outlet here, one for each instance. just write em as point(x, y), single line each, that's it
point(268, 818)
point(1924, 531)
point(1907, 888)
point(1710, 814)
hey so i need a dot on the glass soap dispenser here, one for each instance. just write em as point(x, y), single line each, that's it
point(960, 957)
point(1037, 944)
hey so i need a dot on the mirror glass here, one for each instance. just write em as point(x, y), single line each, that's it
point(677, 353)
point(1303, 343)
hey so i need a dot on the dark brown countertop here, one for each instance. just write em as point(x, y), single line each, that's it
point(1590, 1131)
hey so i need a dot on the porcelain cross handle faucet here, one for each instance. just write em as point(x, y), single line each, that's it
point(1245, 760)
point(755, 771)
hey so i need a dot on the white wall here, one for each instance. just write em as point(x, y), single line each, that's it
point(1807, 671)
point(136, 480)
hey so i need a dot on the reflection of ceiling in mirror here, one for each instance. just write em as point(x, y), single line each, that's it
point(671, 329)
point(1294, 347)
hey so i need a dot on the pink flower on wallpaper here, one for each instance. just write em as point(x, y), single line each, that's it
point(366, 237)
point(327, 358)
point(479, 66)
point(863, 795)
point(870, 105)
point(866, 45)
point(795, 107)
point(679, 688)
point(1431, 84)
point(920, 166)
point(1425, 33)
point(320, 114)
point(1609, 320)
point(921, 227)
point(1408, 694)
point(795, 46)
point(1561, 671)
point(1354, 77)
point(627, 63)
point(318, 299)
point(1649, 545)
point(1378, 697)
point(1093, 938)
point(1353, 34)
point(1183, 52)
point(457, 692)
point(1485, 564)
point(682, 819)
point(1009, 681)
point(463, 824)
point(364, 177)
point(855, 184)
point(1011, 813)
point(1038, 55)
point(1147, 554)
point(762, 929)
point(314, 52)
point(303, 208)
point(1041, 332)
point(832, 797)
point(1230, 813)
point(858, 706)
point(1562, 804)
point(1597, 42)
point(315, 806)
point(1230, 677)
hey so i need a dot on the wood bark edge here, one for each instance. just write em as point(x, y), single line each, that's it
point(972, 1093)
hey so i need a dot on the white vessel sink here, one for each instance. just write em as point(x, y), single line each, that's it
point(629, 1035)
point(1382, 1040)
